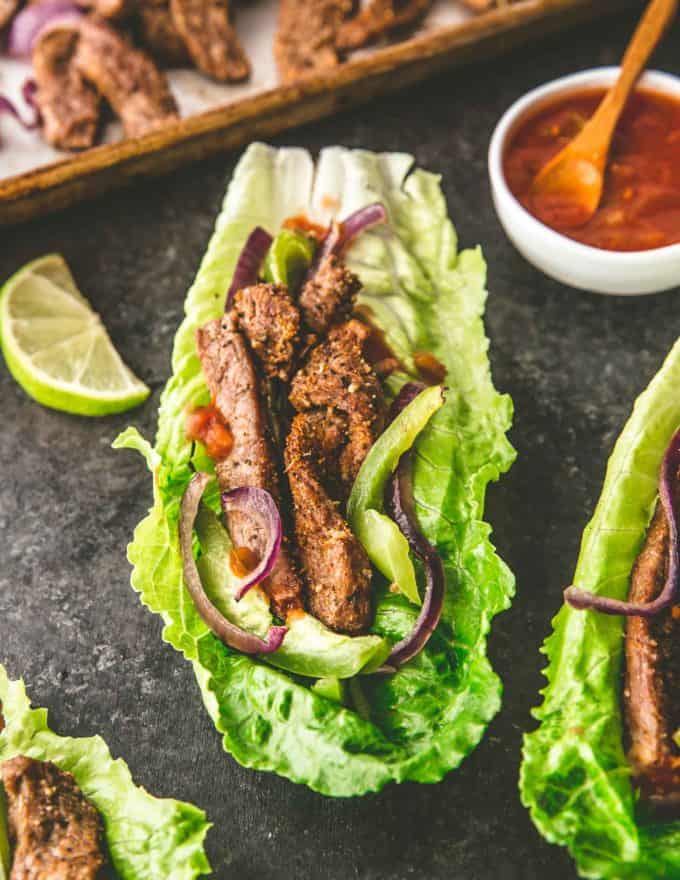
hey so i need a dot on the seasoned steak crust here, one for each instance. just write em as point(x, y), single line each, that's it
point(234, 385)
point(127, 77)
point(338, 376)
point(306, 36)
point(336, 568)
point(206, 28)
point(378, 18)
point(270, 320)
point(109, 9)
point(652, 684)
point(328, 297)
point(55, 832)
point(69, 106)
point(158, 32)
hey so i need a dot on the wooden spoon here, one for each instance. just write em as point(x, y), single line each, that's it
point(569, 187)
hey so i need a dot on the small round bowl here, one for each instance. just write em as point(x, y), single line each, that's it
point(573, 263)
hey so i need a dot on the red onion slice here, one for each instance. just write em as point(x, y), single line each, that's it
point(248, 264)
point(258, 508)
point(400, 505)
point(341, 234)
point(224, 629)
point(28, 90)
point(30, 22)
point(584, 600)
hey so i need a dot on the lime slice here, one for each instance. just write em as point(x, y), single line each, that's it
point(56, 347)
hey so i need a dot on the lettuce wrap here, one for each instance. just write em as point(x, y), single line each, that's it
point(147, 838)
point(575, 778)
point(425, 296)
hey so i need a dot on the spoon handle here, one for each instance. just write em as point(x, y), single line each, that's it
point(649, 31)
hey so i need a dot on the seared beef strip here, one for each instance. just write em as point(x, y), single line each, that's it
point(328, 297)
point(234, 386)
point(69, 106)
point(206, 28)
point(379, 17)
point(159, 33)
point(337, 570)
point(55, 832)
point(127, 77)
point(306, 35)
point(337, 375)
point(652, 688)
point(7, 10)
point(271, 322)
point(110, 9)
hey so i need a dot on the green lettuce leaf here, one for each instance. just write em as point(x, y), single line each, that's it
point(575, 779)
point(148, 838)
point(420, 723)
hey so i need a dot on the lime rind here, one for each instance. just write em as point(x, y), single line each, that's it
point(57, 348)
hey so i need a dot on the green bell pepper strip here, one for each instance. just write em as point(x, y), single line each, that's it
point(289, 257)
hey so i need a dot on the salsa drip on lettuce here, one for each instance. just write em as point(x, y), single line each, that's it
point(608, 746)
point(313, 582)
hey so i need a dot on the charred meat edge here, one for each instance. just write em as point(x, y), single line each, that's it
point(378, 18)
point(55, 832)
point(307, 34)
point(69, 106)
point(210, 38)
point(652, 682)
point(234, 385)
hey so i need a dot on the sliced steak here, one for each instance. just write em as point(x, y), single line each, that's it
point(338, 376)
point(652, 686)
point(110, 9)
point(159, 33)
point(206, 28)
point(234, 386)
point(336, 568)
point(55, 832)
point(7, 10)
point(69, 106)
point(271, 322)
point(378, 18)
point(328, 297)
point(127, 77)
point(306, 36)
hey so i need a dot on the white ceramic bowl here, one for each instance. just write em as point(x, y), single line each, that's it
point(569, 261)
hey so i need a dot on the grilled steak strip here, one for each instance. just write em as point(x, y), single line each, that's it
point(306, 35)
point(379, 17)
point(328, 297)
point(110, 9)
point(69, 106)
point(7, 10)
point(337, 570)
point(234, 386)
point(159, 33)
point(271, 322)
point(206, 28)
point(338, 376)
point(127, 77)
point(652, 686)
point(55, 832)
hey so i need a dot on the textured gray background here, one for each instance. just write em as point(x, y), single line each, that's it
point(70, 624)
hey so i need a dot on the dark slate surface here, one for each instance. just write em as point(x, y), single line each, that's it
point(69, 622)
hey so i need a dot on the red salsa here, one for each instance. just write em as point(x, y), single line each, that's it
point(302, 223)
point(242, 560)
point(640, 207)
point(205, 423)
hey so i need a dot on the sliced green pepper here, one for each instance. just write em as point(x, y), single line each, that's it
point(288, 258)
point(330, 688)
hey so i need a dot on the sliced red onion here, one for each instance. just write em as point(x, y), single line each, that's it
point(28, 90)
point(583, 600)
point(248, 264)
point(400, 505)
point(406, 395)
point(224, 629)
point(341, 234)
point(30, 22)
point(259, 509)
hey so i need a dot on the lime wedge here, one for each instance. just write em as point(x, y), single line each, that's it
point(57, 348)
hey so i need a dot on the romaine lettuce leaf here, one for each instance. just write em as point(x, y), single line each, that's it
point(575, 779)
point(425, 296)
point(148, 838)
